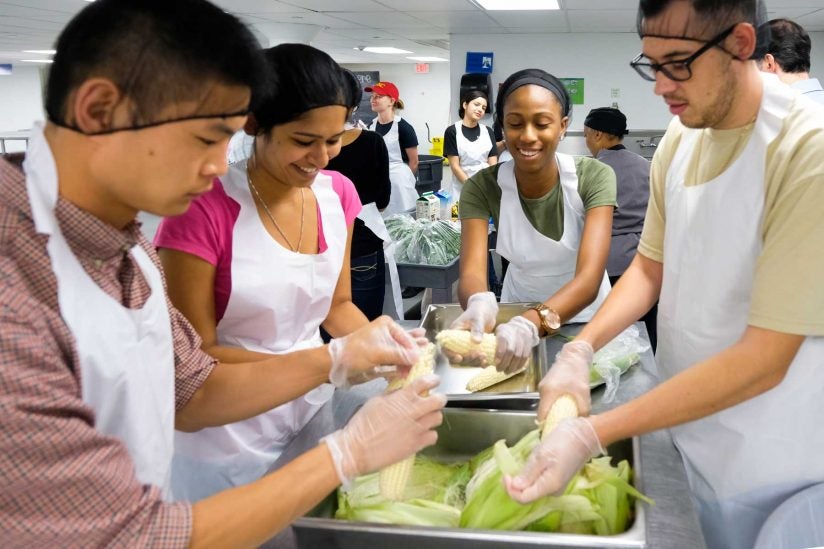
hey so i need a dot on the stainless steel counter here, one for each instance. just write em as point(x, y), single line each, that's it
point(670, 524)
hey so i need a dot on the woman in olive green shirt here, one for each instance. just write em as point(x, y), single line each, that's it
point(553, 214)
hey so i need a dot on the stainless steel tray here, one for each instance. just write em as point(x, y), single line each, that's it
point(463, 434)
point(454, 378)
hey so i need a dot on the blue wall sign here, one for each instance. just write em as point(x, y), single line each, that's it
point(5, 69)
point(479, 61)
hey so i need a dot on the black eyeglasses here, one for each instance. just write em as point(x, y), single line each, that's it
point(679, 70)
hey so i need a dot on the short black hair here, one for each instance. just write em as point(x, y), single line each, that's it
point(789, 45)
point(158, 52)
point(307, 79)
point(470, 96)
point(537, 77)
point(355, 88)
point(711, 18)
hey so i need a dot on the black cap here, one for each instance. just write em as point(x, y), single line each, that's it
point(608, 120)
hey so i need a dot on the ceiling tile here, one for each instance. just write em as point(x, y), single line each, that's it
point(551, 21)
point(602, 21)
point(457, 21)
point(391, 20)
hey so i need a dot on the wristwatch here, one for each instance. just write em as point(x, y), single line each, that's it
point(550, 320)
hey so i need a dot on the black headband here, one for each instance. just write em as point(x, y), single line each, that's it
point(557, 91)
point(69, 126)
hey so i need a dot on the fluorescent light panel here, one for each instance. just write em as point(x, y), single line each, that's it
point(44, 52)
point(512, 5)
point(428, 59)
point(371, 49)
point(36, 61)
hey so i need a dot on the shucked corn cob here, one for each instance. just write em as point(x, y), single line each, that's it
point(393, 479)
point(488, 377)
point(563, 408)
point(460, 342)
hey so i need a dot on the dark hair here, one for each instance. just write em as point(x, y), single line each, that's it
point(470, 96)
point(789, 45)
point(536, 77)
point(307, 79)
point(355, 88)
point(158, 52)
point(711, 18)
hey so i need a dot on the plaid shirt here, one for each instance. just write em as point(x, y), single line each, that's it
point(63, 483)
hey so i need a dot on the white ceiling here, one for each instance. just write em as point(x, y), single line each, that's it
point(340, 26)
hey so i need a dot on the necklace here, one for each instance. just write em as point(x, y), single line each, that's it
point(295, 249)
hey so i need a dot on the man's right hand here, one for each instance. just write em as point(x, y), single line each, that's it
point(569, 374)
point(382, 348)
point(387, 429)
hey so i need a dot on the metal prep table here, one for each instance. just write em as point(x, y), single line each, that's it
point(670, 524)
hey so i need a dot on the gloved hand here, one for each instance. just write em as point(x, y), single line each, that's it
point(555, 461)
point(515, 340)
point(568, 374)
point(380, 349)
point(479, 318)
point(387, 429)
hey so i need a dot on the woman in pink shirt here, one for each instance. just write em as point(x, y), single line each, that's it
point(261, 262)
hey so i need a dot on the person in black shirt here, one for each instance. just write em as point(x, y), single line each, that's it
point(364, 159)
point(475, 148)
point(401, 143)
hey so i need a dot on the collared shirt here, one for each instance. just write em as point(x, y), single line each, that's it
point(810, 88)
point(63, 483)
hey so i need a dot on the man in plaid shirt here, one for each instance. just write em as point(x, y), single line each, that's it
point(96, 366)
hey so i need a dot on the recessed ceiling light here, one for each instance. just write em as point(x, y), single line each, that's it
point(492, 5)
point(371, 49)
point(425, 59)
point(36, 61)
point(44, 52)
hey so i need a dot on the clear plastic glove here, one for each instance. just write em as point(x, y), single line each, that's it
point(555, 461)
point(515, 340)
point(380, 349)
point(568, 374)
point(387, 429)
point(478, 318)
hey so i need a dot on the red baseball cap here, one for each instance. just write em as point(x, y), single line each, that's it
point(384, 88)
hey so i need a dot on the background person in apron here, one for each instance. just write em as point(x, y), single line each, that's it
point(732, 242)
point(604, 131)
point(553, 214)
point(468, 144)
point(98, 368)
point(788, 57)
point(363, 158)
point(401, 142)
point(260, 262)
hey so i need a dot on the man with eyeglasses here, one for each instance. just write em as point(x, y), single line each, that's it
point(732, 245)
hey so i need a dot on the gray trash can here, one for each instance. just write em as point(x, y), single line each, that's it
point(430, 173)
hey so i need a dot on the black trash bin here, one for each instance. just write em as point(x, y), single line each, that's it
point(430, 173)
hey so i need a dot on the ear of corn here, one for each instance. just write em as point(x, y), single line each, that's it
point(488, 377)
point(394, 478)
point(563, 408)
point(460, 342)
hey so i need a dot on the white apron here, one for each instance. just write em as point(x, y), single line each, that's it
point(126, 355)
point(744, 461)
point(474, 155)
point(278, 301)
point(540, 266)
point(371, 217)
point(403, 195)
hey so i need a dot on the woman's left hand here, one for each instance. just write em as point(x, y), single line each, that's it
point(515, 340)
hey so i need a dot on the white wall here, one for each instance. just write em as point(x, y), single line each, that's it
point(425, 96)
point(21, 100)
point(602, 60)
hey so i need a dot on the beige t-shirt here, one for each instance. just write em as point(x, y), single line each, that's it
point(788, 289)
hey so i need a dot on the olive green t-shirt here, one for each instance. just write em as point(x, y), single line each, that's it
point(788, 288)
point(481, 197)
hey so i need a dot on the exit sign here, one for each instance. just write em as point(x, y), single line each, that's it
point(422, 68)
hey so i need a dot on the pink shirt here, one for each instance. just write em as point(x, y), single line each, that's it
point(205, 231)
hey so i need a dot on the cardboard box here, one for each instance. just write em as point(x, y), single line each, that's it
point(428, 206)
point(446, 204)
